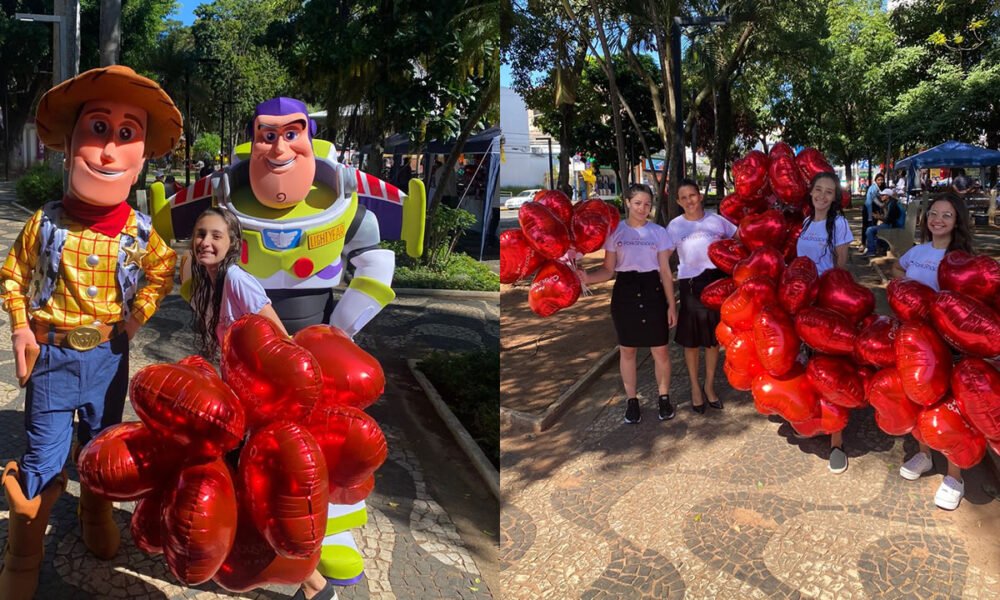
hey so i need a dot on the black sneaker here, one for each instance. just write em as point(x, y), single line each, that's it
point(838, 460)
point(666, 408)
point(632, 413)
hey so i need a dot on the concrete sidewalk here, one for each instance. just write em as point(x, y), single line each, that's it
point(433, 526)
point(730, 505)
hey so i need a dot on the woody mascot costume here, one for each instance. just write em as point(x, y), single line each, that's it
point(71, 284)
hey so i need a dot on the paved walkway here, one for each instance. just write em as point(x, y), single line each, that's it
point(731, 505)
point(432, 530)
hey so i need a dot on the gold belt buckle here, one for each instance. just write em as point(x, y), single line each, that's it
point(84, 337)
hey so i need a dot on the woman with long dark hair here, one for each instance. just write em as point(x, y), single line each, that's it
point(825, 239)
point(946, 225)
point(643, 308)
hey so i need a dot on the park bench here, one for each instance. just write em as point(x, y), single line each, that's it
point(901, 240)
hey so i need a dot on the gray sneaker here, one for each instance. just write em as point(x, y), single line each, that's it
point(632, 413)
point(838, 460)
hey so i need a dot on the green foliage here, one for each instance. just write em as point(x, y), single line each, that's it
point(469, 383)
point(206, 147)
point(40, 184)
point(459, 272)
point(446, 227)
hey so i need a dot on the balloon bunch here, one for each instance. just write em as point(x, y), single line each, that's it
point(553, 233)
point(901, 365)
point(233, 474)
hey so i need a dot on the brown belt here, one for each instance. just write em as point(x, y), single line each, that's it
point(84, 337)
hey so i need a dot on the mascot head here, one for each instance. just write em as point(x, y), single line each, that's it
point(282, 163)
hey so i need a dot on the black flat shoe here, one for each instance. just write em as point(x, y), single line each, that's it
point(717, 405)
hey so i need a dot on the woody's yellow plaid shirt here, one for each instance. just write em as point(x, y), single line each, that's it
point(85, 290)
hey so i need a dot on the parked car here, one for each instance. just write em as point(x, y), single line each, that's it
point(518, 200)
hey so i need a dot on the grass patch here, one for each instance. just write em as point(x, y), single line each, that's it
point(458, 272)
point(469, 383)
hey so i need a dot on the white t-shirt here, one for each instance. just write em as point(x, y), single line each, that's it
point(242, 294)
point(812, 241)
point(636, 248)
point(921, 263)
point(692, 238)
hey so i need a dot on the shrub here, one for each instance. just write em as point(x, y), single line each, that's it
point(469, 383)
point(39, 185)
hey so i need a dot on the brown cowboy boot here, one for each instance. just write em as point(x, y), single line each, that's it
point(28, 519)
point(100, 532)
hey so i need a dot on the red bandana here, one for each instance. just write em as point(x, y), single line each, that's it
point(108, 220)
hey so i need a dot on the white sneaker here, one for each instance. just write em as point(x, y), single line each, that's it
point(918, 464)
point(950, 493)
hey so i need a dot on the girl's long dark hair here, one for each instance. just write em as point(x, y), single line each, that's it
point(832, 213)
point(206, 295)
point(961, 237)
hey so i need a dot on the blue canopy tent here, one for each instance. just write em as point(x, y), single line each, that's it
point(949, 154)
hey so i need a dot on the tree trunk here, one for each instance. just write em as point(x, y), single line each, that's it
point(110, 32)
point(723, 136)
point(848, 172)
point(609, 71)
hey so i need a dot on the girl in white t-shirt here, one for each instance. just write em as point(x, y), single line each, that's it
point(643, 308)
point(946, 225)
point(825, 239)
point(691, 233)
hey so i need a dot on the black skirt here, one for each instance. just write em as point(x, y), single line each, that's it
point(695, 322)
point(639, 310)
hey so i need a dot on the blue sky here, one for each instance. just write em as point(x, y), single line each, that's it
point(185, 13)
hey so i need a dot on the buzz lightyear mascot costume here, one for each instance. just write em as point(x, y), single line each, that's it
point(306, 219)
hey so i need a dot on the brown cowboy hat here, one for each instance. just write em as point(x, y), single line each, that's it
point(59, 107)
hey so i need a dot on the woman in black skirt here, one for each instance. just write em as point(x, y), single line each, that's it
point(643, 308)
point(691, 234)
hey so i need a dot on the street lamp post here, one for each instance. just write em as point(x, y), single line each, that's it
point(552, 183)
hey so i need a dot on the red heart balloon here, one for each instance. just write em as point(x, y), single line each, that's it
point(742, 363)
point(517, 258)
point(943, 428)
point(825, 331)
point(895, 414)
point(765, 261)
point(738, 380)
point(811, 163)
point(910, 299)
point(589, 226)
point(780, 149)
point(190, 406)
point(716, 292)
point(798, 287)
point(836, 380)
point(199, 521)
point(253, 563)
point(750, 173)
point(976, 385)
point(839, 292)
point(786, 180)
point(351, 376)
point(791, 249)
point(831, 419)
point(612, 214)
point(556, 201)
point(866, 374)
point(976, 276)
point(876, 343)
point(286, 487)
point(352, 495)
point(791, 396)
point(126, 462)
point(775, 339)
point(924, 363)
point(723, 333)
point(726, 253)
point(352, 444)
point(555, 287)
point(544, 230)
point(273, 377)
point(967, 324)
point(765, 229)
point(147, 524)
point(739, 309)
point(734, 207)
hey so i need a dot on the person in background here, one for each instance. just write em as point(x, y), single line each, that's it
point(871, 202)
point(893, 219)
point(205, 169)
point(643, 308)
point(947, 227)
point(170, 186)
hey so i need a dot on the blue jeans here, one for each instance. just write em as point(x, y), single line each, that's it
point(92, 384)
point(870, 242)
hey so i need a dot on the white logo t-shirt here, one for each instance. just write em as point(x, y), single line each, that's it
point(921, 263)
point(636, 248)
point(692, 238)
